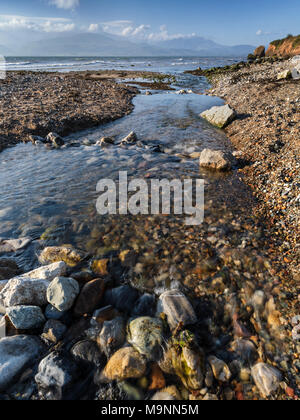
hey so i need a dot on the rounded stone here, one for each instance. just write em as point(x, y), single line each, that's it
point(62, 293)
point(26, 317)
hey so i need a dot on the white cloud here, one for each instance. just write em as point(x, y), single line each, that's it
point(15, 23)
point(65, 4)
point(164, 35)
point(94, 27)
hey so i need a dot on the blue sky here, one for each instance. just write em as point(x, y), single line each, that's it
point(224, 21)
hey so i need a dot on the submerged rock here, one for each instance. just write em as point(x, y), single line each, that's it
point(88, 353)
point(219, 116)
point(25, 291)
point(26, 317)
point(122, 298)
point(177, 307)
point(130, 139)
point(56, 375)
point(185, 359)
point(146, 335)
point(112, 336)
point(216, 160)
point(105, 142)
point(13, 245)
point(267, 378)
point(145, 306)
point(16, 354)
point(126, 363)
point(62, 293)
point(220, 369)
point(8, 269)
point(70, 256)
point(55, 139)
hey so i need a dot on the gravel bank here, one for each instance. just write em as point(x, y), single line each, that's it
point(267, 132)
point(38, 103)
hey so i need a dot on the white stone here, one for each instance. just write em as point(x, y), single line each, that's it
point(286, 74)
point(13, 245)
point(16, 354)
point(216, 160)
point(177, 307)
point(62, 293)
point(25, 291)
point(26, 317)
point(48, 272)
point(220, 116)
point(267, 378)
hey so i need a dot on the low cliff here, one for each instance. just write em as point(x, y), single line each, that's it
point(287, 47)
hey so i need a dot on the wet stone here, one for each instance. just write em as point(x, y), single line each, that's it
point(112, 336)
point(122, 298)
point(16, 354)
point(70, 256)
point(267, 378)
point(146, 335)
point(220, 369)
point(177, 307)
point(56, 375)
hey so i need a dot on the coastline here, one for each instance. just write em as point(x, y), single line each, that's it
point(267, 135)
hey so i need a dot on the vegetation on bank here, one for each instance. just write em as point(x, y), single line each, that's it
point(279, 42)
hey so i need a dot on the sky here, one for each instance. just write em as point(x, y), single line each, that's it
point(228, 22)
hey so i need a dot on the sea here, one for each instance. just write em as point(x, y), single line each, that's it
point(158, 64)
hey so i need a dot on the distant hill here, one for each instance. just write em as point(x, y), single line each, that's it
point(286, 47)
point(105, 45)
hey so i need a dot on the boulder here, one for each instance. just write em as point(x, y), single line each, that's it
point(177, 307)
point(26, 317)
point(13, 245)
point(284, 75)
point(17, 353)
point(260, 52)
point(219, 116)
point(48, 272)
point(146, 336)
point(90, 297)
point(70, 256)
point(62, 293)
point(25, 291)
point(126, 363)
point(112, 336)
point(267, 378)
point(56, 375)
point(216, 160)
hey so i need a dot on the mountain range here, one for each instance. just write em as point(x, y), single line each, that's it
point(106, 45)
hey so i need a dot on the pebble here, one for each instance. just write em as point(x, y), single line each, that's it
point(220, 369)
